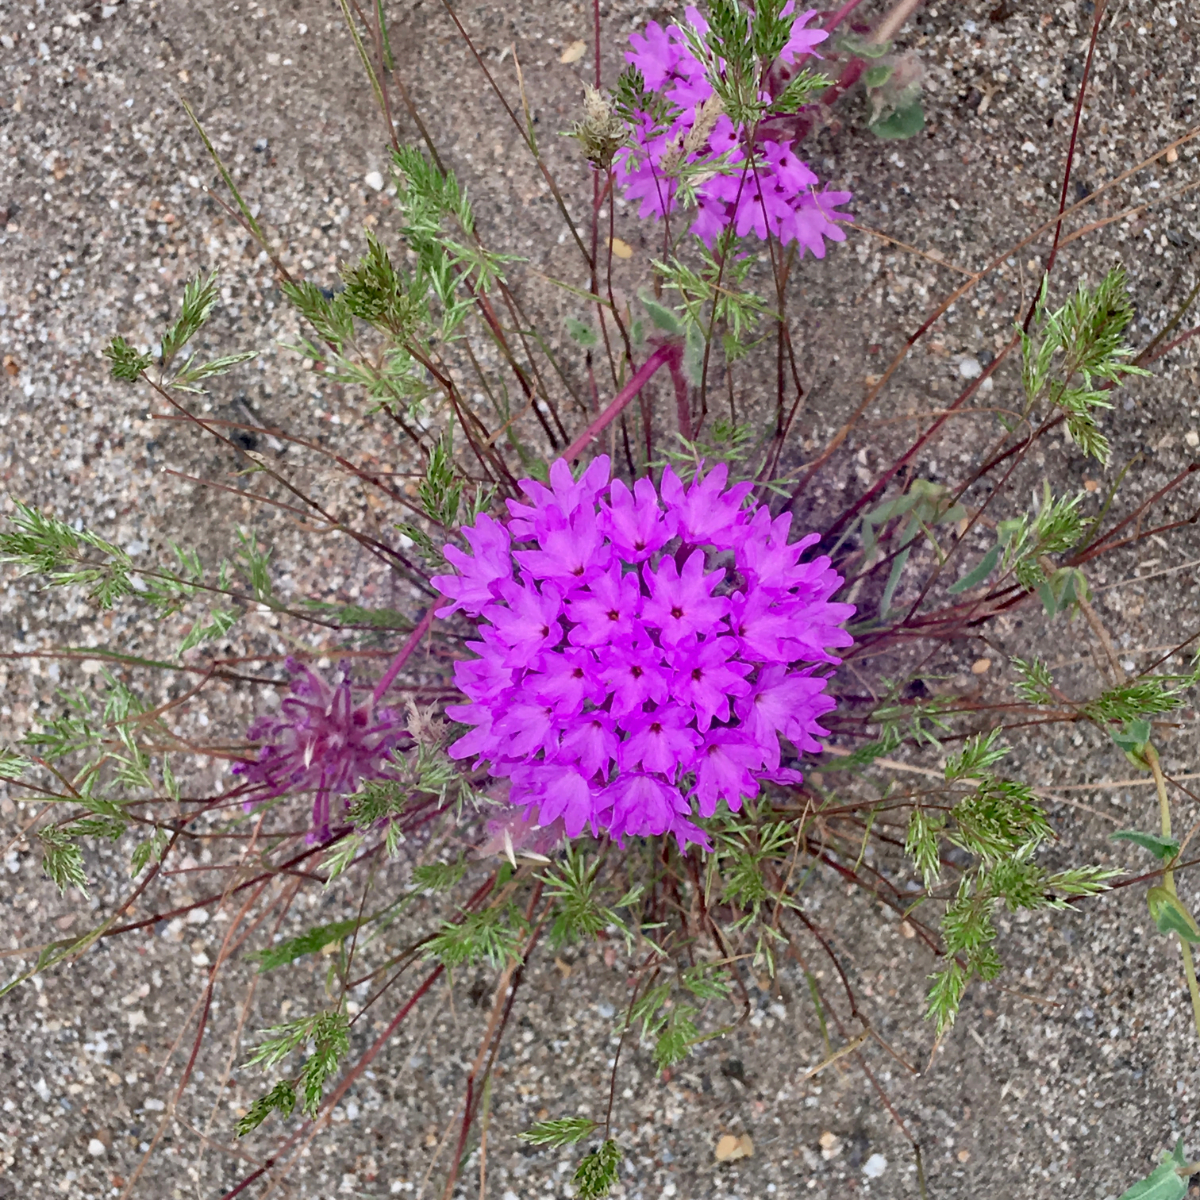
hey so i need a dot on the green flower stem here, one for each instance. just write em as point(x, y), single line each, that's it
point(1164, 808)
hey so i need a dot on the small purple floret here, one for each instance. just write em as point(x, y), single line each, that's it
point(320, 741)
point(776, 194)
point(645, 652)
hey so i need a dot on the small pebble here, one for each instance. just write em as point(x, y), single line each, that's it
point(969, 368)
point(875, 1166)
point(730, 1148)
point(1192, 438)
point(96, 1148)
point(980, 666)
point(374, 180)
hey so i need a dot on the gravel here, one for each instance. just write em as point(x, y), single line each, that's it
point(1069, 1074)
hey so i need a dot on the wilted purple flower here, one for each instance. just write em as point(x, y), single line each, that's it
point(658, 670)
point(774, 192)
point(320, 741)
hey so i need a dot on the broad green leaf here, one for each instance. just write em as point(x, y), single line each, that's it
point(1132, 739)
point(903, 123)
point(1164, 1182)
point(1163, 848)
point(878, 75)
point(585, 335)
point(663, 317)
point(1171, 916)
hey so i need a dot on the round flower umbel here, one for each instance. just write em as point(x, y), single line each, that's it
point(774, 193)
point(322, 742)
point(641, 653)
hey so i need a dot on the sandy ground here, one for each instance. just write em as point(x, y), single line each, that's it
point(1068, 1079)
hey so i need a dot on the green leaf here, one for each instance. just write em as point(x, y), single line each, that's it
point(331, 1035)
point(281, 1099)
point(893, 581)
point(978, 573)
point(127, 363)
point(199, 296)
point(861, 47)
point(340, 855)
point(438, 876)
point(222, 621)
point(1035, 684)
point(148, 851)
point(585, 335)
point(62, 859)
point(1171, 916)
point(1133, 739)
point(565, 1131)
point(903, 123)
point(878, 75)
point(190, 375)
point(597, 1172)
point(663, 317)
point(1163, 848)
point(493, 936)
point(312, 942)
point(13, 765)
point(1164, 1182)
point(979, 753)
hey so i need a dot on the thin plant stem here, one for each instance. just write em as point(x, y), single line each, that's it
point(1164, 810)
point(664, 354)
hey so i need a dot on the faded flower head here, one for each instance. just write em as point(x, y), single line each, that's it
point(320, 741)
point(772, 192)
point(641, 652)
point(601, 133)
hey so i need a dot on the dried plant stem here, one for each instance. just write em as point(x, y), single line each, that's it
point(892, 23)
point(1164, 809)
point(1097, 627)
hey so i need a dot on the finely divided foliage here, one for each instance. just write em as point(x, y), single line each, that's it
point(617, 670)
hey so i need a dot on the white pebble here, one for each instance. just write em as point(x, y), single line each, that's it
point(97, 43)
point(1192, 438)
point(969, 368)
point(875, 1166)
point(96, 1148)
point(374, 180)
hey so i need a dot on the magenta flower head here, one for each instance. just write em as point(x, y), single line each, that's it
point(764, 191)
point(320, 741)
point(643, 651)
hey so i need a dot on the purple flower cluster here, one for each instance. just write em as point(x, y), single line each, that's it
point(623, 672)
point(320, 741)
point(775, 193)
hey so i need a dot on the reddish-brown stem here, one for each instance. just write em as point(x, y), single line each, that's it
point(1062, 198)
point(404, 654)
point(664, 354)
